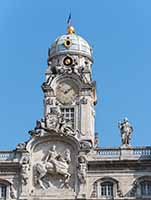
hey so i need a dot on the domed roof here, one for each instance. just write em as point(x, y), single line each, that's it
point(72, 44)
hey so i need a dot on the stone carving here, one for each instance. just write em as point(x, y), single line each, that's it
point(56, 121)
point(86, 144)
point(82, 169)
point(96, 140)
point(126, 129)
point(12, 192)
point(48, 101)
point(25, 167)
point(54, 164)
point(39, 130)
point(21, 146)
point(83, 100)
point(94, 191)
point(119, 191)
point(49, 79)
point(53, 121)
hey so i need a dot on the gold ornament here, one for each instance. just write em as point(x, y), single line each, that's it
point(71, 30)
point(67, 42)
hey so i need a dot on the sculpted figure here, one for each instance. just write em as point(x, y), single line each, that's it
point(21, 146)
point(65, 128)
point(39, 130)
point(12, 192)
point(51, 121)
point(54, 164)
point(82, 167)
point(126, 129)
point(57, 122)
point(25, 163)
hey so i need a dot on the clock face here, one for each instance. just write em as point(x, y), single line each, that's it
point(65, 93)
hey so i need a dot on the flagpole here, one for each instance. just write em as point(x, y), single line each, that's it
point(70, 28)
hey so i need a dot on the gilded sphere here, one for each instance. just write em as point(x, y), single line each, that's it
point(71, 30)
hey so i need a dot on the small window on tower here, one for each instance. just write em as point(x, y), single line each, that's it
point(68, 114)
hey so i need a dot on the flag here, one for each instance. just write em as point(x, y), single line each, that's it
point(69, 20)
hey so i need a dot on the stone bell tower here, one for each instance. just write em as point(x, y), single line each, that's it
point(68, 89)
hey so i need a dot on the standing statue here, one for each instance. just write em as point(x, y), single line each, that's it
point(54, 164)
point(82, 169)
point(25, 167)
point(126, 129)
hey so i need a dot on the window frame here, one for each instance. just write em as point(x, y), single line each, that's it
point(147, 192)
point(7, 185)
point(106, 187)
point(74, 127)
point(112, 182)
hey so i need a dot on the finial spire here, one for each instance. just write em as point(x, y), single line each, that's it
point(70, 28)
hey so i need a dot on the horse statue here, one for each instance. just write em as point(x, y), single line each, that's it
point(54, 164)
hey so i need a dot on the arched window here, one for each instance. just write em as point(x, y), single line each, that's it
point(106, 189)
point(3, 191)
point(145, 188)
point(141, 187)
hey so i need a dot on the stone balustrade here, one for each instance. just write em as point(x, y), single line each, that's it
point(7, 155)
point(124, 153)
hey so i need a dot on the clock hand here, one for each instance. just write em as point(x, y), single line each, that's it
point(66, 91)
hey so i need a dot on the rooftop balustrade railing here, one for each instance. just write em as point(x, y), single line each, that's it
point(130, 152)
point(7, 155)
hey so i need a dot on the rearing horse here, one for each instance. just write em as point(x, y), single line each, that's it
point(52, 168)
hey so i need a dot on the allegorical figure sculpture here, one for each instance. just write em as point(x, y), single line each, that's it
point(126, 130)
point(56, 164)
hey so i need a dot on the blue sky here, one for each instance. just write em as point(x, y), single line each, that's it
point(120, 33)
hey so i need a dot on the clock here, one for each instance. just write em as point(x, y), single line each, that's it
point(66, 93)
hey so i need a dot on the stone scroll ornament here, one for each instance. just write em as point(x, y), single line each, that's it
point(126, 130)
point(53, 165)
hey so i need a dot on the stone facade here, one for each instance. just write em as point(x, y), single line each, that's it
point(62, 160)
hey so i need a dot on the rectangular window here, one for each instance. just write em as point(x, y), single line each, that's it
point(69, 116)
point(146, 188)
point(3, 192)
point(107, 189)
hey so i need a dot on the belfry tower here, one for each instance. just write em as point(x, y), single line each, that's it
point(68, 89)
